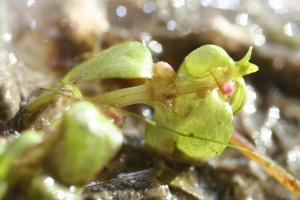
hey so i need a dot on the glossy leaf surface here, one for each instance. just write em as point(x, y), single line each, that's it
point(204, 59)
point(126, 60)
point(87, 141)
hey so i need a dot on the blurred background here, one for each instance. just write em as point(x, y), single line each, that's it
point(40, 40)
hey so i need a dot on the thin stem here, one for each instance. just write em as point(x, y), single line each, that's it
point(279, 173)
point(147, 92)
point(196, 85)
point(124, 97)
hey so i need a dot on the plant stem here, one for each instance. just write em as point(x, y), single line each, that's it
point(196, 85)
point(279, 173)
point(124, 97)
point(149, 91)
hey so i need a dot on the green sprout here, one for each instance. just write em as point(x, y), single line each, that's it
point(194, 109)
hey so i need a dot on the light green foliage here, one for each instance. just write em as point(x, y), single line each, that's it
point(204, 59)
point(87, 141)
point(126, 60)
point(158, 136)
point(197, 132)
point(11, 153)
point(27, 140)
point(244, 66)
point(199, 125)
point(208, 125)
point(212, 60)
point(193, 111)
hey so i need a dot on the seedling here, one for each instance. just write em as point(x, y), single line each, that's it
point(194, 109)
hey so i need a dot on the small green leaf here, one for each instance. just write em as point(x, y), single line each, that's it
point(244, 66)
point(126, 60)
point(201, 130)
point(158, 137)
point(204, 59)
point(27, 140)
point(211, 60)
point(207, 129)
point(87, 141)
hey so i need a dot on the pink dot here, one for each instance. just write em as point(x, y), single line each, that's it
point(228, 87)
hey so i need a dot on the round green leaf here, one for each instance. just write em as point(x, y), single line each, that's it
point(204, 59)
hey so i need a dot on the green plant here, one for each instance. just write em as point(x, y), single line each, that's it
point(194, 109)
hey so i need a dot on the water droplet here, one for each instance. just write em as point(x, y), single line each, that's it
point(278, 6)
point(171, 25)
point(257, 35)
point(147, 113)
point(49, 181)
point(242, 19)
point(249, 107)
point(149, 7)
point(266, 136)
point(121, 11)
point(273, 116)
point(30, 3)
point(178, 3)
point(60, 195)
point(259, 40)
point(155, 46)
point(7, 37)
point(288, 29)
point(206, 2)
point(72, 188)
point(292, 156)
point(226, 5)
point(12, 58)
